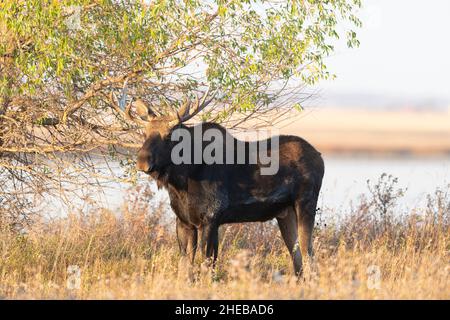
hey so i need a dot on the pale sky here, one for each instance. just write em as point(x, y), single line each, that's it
point(405, 51)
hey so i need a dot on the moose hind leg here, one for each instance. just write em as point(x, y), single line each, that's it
point(305, 208)
point(288, 228)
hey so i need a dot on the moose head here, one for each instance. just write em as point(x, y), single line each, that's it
point(155, 153)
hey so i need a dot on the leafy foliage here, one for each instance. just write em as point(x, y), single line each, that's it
point(61, 60)
point(65, 49)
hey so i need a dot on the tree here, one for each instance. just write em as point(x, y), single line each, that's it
point(63, 62)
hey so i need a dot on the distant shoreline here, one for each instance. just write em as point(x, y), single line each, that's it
point(356, 131)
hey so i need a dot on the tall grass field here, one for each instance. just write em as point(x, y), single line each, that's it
point(372, 252)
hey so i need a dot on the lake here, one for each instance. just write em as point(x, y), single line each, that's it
point(345, 180)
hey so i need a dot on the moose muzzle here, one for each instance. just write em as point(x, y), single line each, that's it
point(143, 166)
point(142, 163)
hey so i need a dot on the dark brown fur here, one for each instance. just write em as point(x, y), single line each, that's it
point(206, 196)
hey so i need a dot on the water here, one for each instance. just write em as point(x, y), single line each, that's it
point(346, 179)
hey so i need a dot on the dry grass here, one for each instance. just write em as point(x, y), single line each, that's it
point(135, 256)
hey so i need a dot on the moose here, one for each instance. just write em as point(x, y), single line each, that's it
point(206, 196)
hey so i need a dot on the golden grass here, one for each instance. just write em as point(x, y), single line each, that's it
point(135, 256)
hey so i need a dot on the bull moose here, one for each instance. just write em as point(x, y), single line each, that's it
point(205, 196)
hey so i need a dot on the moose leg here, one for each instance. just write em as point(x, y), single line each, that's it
point(212, 247)
point(305, 208)
point(187, 240)
point(289, 232)
point(209, 241)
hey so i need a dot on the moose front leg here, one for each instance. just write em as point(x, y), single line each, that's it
point(209, 242)
point(187, 241)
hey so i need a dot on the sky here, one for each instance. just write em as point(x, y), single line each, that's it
point(404, 53)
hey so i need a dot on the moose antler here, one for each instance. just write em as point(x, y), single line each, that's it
point(125, 110)
point(185, 113)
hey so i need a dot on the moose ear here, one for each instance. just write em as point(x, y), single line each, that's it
point(143, 110)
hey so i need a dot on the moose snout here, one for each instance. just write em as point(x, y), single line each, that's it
point(142, 163)
point(142, 166)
